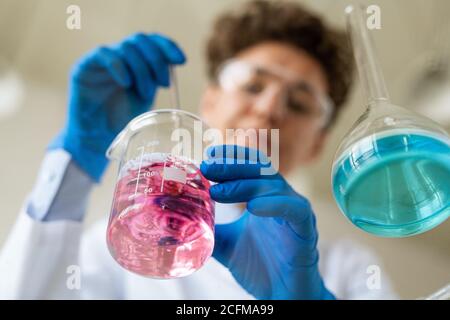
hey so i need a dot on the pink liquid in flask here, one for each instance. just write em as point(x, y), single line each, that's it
point(162, 219)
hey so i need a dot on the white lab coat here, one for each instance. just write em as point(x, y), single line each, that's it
point(59, 260)
point(35, 263)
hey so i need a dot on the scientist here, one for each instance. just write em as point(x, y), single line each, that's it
point(272, 65)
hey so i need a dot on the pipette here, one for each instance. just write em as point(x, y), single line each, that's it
point(174, 93)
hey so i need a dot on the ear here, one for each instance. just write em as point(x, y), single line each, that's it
point(318, 145)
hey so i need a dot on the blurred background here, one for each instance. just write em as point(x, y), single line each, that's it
point(37, 51)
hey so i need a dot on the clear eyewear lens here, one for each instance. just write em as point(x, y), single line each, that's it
point(252, 80)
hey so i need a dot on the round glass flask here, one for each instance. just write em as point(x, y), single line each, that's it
point(391, 172)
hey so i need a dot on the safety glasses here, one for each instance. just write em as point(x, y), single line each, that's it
point(253, 81)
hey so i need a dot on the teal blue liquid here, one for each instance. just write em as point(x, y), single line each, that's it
point(395, 185)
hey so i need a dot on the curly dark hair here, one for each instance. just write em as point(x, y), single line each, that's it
point(284, 21)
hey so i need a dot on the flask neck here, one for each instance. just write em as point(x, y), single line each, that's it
point(367, 64)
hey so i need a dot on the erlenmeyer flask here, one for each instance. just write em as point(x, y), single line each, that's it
point(391, 172)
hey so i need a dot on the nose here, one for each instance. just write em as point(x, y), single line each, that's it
point(271, 103)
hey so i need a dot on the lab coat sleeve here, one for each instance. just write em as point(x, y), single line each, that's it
point(61, 191)
point(40, 258)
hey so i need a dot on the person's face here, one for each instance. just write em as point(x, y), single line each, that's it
point(266, 104)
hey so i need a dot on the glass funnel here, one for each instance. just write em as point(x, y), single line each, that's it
point(391, 172)
point(162, 218)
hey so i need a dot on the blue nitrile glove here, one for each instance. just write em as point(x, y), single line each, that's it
point(271, 250)
point(108, 88)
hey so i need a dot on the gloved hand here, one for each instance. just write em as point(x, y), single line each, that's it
point(271, 250)
point(108, 88)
